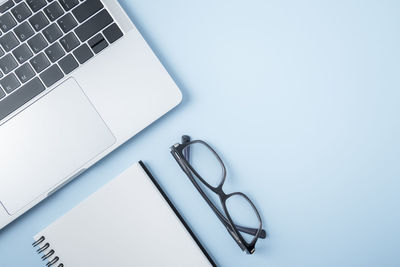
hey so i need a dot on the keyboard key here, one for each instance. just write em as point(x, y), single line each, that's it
point(20, 97)
point(69, 42)
point(22, 53)
point(83, 53)
point(2, 94)
point(9, 83)
point(36, 4)
point(67, 22)
point(7, 22)
point(39, 21)
point(87, 9)
point(68, 64)
point(21, 12)
point(6, 6)
point(54, 52)
point(112, 33)
point(1, 52)
point(24, 31)
point(37, 43)
point(53, 11)
point(68, 4)
point(25, 73)
point(97, 43)
point(8, 63)
point(51, 75)
point(93, 25)
point(52, 33)
point(40, 62)
point(9, 41)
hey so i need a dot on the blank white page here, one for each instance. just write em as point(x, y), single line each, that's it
point(125, 223)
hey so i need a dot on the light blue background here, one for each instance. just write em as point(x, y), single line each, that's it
point(301, 98)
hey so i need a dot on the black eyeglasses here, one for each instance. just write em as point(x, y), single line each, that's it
point(207, 172)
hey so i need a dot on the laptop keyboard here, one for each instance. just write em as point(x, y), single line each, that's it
point(41, 41)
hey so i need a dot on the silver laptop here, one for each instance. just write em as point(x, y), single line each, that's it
point(76, 81)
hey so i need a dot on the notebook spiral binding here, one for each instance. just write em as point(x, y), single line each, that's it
point(44, 247)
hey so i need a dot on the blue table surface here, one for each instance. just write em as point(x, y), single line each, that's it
point(301, 99)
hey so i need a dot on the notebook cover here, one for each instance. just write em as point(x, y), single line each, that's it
point(128, 222)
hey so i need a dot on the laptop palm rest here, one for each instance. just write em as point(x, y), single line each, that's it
point(51, 141)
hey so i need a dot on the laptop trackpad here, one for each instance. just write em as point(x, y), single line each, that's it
point(47, 143)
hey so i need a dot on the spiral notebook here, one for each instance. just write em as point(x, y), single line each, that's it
point(128, 222)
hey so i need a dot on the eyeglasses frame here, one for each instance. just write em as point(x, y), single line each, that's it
point(181, 153)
